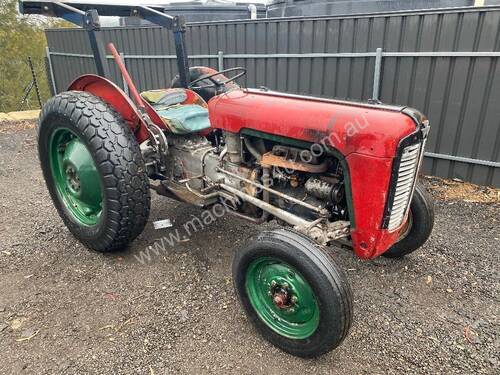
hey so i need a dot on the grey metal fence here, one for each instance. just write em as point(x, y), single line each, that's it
point(443, 62)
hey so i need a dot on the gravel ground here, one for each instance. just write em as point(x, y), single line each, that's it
point(64, 309)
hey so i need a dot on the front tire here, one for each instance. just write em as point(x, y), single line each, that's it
point(421, 222)
point(94, 170)
point(293, 292)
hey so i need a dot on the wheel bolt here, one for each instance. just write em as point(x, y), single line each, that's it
point(285, 286)
point(294, 299)
point(273, 283)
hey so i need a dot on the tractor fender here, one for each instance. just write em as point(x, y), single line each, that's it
point(116, 98)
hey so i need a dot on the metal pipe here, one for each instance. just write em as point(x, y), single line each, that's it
point(320, 211)
point(223, 154)
point(253, 11)
point(183, 181)
point(92, 25)
point(124, 82)
point(199, 195)
point(376, 74)
point(233, 145)
point(461, 159)
point(275, 211)
point(126, 76)
point(442, 54)
point(265, 197)
point(51, 69)
point(68, 54)
point(304, 55)
point(256, 154)
point(181, 53)
point(220, 61)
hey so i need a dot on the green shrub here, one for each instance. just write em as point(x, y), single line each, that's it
point(20, 37)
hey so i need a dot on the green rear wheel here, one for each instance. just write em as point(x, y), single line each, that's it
point(293, 292)
point(94, 170)
point(75, 175)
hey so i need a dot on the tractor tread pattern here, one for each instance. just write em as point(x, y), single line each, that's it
point(118, 158)
point(332, 269)
point(337, 276)
point(333, 283)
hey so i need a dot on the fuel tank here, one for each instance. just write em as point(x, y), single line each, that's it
point(349, 127)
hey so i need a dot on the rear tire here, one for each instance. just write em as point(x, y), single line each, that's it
point(421, 224)
point(293, 292)
point(94, 170)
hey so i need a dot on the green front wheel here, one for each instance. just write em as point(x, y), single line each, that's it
point(293, 292)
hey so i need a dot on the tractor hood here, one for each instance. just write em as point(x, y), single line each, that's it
point(368, 129)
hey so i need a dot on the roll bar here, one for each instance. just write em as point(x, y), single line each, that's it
point(87, 15)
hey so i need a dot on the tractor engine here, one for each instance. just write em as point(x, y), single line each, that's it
point(202, 172)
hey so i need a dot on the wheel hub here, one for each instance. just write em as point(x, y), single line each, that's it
point(76, 177)
point(282, 298)
point(72, 178)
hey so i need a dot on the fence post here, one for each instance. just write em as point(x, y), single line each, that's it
point(125, 86)
point(51, 71)
point(220, 60)
point(377, 74)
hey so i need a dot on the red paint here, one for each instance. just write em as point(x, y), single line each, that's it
point(348, 128)
point(121, 66)
point(367, 136)
point(370, 178)
point(115, 97)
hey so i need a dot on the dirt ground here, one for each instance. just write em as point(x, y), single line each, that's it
point(67, 310)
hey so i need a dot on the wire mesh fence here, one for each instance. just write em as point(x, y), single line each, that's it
point(23, 87)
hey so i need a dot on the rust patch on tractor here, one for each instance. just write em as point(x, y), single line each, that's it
point(315, 135)
point(269, 159)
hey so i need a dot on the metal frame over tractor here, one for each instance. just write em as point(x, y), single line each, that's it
point(331, 172)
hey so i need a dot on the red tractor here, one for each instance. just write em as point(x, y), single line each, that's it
point(333, 172)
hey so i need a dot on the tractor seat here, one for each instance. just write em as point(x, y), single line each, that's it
point(182, 111)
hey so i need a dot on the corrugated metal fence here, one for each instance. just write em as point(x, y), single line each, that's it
point(444, 63)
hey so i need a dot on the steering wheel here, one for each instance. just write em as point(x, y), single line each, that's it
point(217, 83)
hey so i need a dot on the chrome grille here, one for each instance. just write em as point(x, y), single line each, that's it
point(407, 172)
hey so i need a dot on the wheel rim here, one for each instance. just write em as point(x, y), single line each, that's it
point(75, 177)
point(407, 228)
point(282, 298)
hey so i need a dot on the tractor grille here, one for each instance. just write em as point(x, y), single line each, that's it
point(405, 183)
